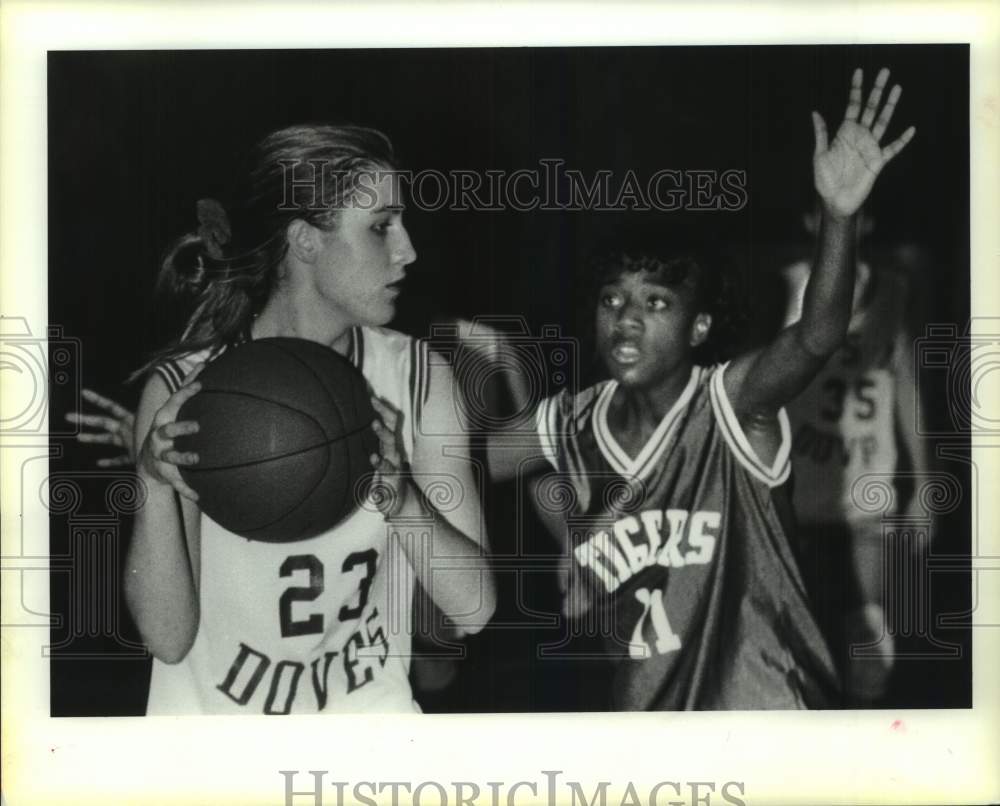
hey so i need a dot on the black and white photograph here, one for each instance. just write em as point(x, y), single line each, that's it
point(489, 382)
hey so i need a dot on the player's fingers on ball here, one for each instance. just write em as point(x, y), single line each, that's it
point(179, 458)
point(159, 445)
point(388, 469)
point(389, 450)
point(165, 414)
point(385, 437)
point(161, 438)
point(184, 490)
point(385, 463)
point(180, 428)
point(389, 417)
point(185, 393)
point(385, 412)
point(173, 405)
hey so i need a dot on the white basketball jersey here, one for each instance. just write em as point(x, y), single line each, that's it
point(843, 423)
point(317, 625)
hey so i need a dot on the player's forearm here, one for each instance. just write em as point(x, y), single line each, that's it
point(762, 381)
point(826, 306)
point(514, 455)
point(159, 582)
point(451, 566)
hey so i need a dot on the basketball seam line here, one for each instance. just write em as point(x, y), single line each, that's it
point(289, 511)
point(291, 355)
point(252, 462)
point(249, 534)
point(252, 396)
point(308, 368)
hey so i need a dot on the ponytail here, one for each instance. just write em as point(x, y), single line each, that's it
point(182, 273)
point(194, 259)
point(220, 276)
point(214, 293)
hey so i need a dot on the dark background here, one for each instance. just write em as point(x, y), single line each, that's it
point(135, 138)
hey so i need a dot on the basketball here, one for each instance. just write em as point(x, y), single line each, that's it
point(284, 440)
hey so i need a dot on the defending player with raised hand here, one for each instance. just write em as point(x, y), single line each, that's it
point(844, 171)
point(678, 534)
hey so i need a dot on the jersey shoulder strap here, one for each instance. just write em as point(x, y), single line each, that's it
point(559, 421)
point(174, 370)
point(739, 445)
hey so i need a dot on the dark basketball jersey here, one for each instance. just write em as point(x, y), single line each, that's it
point(685, 556)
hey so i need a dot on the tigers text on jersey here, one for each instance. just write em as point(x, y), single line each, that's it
point(682, 550)
point(317, 625)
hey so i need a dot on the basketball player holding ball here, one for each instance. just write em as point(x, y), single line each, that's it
point(678, 536)
point(320, 624)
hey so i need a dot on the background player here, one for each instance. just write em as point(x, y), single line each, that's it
point(857, 417)
point(677, 531)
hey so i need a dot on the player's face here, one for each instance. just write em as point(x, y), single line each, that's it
point(646, 330)
point(364, 257)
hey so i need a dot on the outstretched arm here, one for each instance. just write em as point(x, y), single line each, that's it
point(760, 382)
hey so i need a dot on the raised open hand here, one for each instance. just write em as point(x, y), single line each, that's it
point(846, 169)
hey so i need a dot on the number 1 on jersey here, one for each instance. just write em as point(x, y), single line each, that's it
point(666, 639)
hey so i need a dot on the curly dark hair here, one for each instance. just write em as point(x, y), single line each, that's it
point(675, 257)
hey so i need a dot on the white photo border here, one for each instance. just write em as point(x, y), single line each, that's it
point(922, 756)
